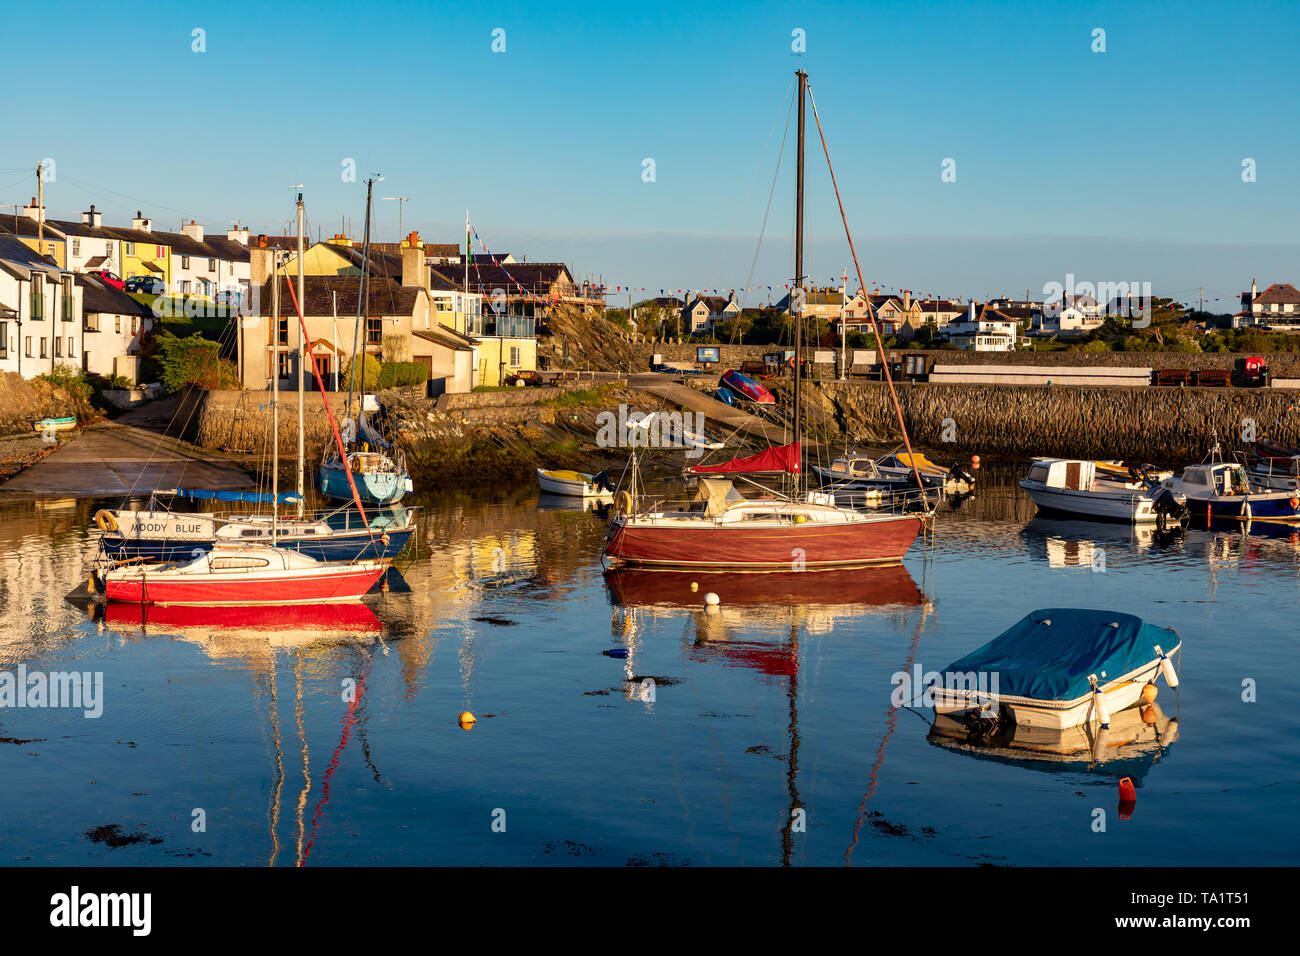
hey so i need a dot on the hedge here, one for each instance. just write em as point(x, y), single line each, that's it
point(402, 373)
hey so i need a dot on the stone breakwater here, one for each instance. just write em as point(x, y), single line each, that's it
point(1161, 425)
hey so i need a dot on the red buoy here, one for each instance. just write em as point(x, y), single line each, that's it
point(1126, 790)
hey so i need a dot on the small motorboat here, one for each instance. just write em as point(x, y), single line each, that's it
point(241, 576)
point(55, 424)
point(955, 480)
point(859, 471)
point(380, 476)
point(745, 387)
point(1070, 486)
point(1275, 467)
point(1059, 668)
point(1222, 490)
point(575, 484)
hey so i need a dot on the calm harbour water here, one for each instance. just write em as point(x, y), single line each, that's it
point(778, 700)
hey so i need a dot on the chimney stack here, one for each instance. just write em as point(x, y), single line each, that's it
point(141, 223)
point(193, 230)
point(414, 272)
point(33, 211)
point(238, 234)
point(92, 217)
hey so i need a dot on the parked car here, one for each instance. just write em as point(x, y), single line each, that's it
point(103, 275)
point(230, 297)
point(524, 377)
point(146, 285)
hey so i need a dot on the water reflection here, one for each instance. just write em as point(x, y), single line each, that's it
point(1136, 740)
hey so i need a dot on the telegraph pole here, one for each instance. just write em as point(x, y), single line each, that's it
point(302, 357)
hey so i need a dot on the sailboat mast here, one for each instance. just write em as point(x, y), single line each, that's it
point(797, 311)
point(275, 392)
point(361, 298)
point(302, 360)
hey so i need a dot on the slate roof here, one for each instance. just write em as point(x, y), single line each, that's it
point(1283, 293)
point(99, 296)
point(386, 297)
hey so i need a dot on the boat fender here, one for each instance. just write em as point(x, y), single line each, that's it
point(1099, 703)
point(1167, 668)
point(623, 503)
point(1127, 798)
point(1149, 692)
point(106, 521)
point(1294, 503)
point(384, 539)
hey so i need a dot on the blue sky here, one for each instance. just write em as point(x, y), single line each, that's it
point(1117, 166)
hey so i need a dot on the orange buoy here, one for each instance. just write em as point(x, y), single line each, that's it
point(467, 720)
point(1149, 692)
point(1127, 791)
point(1150, 714)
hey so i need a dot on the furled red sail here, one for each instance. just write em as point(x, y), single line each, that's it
point(781, 458)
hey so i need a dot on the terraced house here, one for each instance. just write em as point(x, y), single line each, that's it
point(40, 312)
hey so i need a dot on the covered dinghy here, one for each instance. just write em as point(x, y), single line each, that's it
point(1055, 667)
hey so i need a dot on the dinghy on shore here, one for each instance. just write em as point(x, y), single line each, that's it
point(1059, 668)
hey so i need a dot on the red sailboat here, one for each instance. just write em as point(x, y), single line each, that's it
point(720, 528)
point(251, 575)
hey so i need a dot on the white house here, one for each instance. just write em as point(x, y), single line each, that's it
point(987, 331)
point(113, 327)
point(704, 311)
point(40, 312)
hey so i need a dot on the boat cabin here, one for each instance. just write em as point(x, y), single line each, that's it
point(1068, 473)
point(237, 560)
point(1223, 478)
point(854, 469)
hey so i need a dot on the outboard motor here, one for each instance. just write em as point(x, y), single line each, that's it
point(958, 473)
point(1168, 508)
point(601, 480)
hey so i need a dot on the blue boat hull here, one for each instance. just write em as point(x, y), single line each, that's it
point(374, 489)
point(1270, 506)
point(345, 547)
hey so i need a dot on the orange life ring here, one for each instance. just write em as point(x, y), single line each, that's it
point(790, 361)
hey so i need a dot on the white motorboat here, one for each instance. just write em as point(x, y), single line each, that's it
point(1072, 486)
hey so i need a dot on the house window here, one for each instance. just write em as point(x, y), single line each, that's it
point(28, 346)
point(4, 340)
point(58, 347)
point(284, 331)
point(212, 265)
point(45, 348)
point(117, 322)
point(69, 302)
point(38, 298)
point(283, 363)
point(91, 322)
point(76, 247)
point(374, 331)
point(185, 262)
point(108, 248)
point(158, 252)
point(71, 351)
point(135, 324)
point(515, 354)
point(130, 248)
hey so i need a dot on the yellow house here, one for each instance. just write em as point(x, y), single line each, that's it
point(52, 242)
point(504, 344)
point(143, 252)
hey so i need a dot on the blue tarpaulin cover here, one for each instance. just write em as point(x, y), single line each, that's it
point(1045, 661)
point(250, 497)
